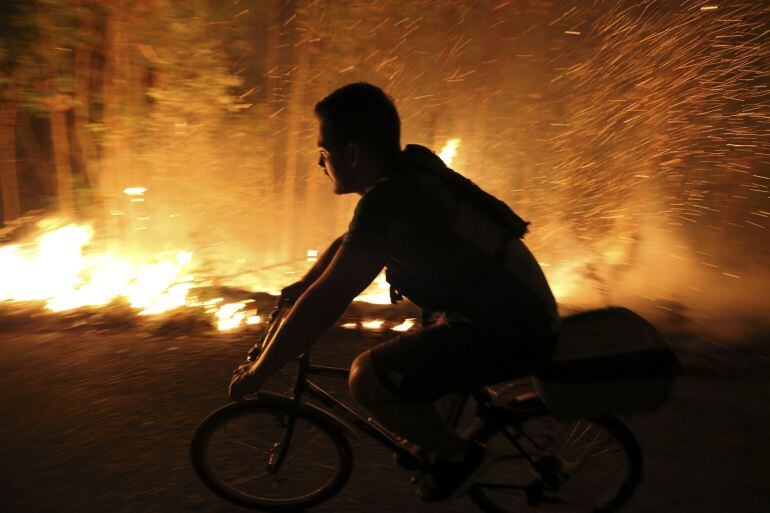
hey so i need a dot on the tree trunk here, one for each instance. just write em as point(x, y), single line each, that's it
point(61, 159)
point(114, 82)
point(297, 118)
point(35, 154)
point(57, 116)
point(86, 148)
point(9, 180)
point(272, 102)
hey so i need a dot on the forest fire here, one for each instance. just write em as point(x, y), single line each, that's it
point(167, 168)
point(56, 268)
point(632, 135)
point(61, 269)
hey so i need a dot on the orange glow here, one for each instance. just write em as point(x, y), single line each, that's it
point(62, 268)
point(373, 324)
point(404, 326)
point(378, 292)
point(449, 151)
point(134, 191)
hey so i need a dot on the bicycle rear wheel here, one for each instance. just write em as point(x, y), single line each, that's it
point(580, 466)
point(243, 454)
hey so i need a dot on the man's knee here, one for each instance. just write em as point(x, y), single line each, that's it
point(365, 386)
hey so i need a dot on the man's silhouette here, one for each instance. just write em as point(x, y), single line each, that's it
point(449, 247)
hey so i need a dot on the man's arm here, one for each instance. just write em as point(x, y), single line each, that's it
point(323, 261)
point(348, 274)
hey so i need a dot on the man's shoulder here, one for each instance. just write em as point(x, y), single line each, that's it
point(389, 189)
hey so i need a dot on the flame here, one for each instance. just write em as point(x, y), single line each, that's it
point(134, 191)
point(378, 293)
point(374, 324)
point(229, 316)
point(56, 268)
point(404, 326)
point(62, 268)
point(449, 151)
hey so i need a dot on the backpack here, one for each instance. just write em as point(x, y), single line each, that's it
point(423, 158)
point(419, 157)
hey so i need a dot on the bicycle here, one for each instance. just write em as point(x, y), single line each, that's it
point(282, 453)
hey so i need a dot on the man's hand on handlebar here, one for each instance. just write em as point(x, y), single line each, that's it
point(291, 293)
point(246, 380)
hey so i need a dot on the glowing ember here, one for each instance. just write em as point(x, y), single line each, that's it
point(134, 191)
point(449, 151)
point(404, 326)
point(230, 315)
point(378, 292)
point(350, 325)
point(373, 325)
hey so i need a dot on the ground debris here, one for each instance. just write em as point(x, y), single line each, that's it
point(183, 322)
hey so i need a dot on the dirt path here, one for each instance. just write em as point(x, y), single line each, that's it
point(99, 421)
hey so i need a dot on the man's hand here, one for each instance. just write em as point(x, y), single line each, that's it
point(317, 310)
point(291, 293)
point(246, 380)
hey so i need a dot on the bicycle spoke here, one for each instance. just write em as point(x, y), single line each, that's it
point(613, 448)
point(233, 451)
point(250, 478)
point(578, 467)
point(247, 435)
point(586, 430)
point(244, 444)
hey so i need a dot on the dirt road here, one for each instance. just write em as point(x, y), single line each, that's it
point(99, 421)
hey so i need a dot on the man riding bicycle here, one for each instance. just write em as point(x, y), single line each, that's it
point(449, 247)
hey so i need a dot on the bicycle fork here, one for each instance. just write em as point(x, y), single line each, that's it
point(277, 453)
point(276, 456)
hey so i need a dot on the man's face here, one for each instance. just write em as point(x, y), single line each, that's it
point(334, 161)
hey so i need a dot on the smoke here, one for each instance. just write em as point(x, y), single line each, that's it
point(633, 135)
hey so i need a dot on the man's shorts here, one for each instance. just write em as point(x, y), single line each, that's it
point(459, 357)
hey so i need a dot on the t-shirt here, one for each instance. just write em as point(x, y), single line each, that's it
point(411, 216)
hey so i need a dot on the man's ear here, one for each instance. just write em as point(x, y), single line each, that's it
point(352, 154)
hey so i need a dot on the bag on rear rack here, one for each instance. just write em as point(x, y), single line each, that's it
point(608, 361)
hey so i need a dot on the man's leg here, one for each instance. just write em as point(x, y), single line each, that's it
point(418, 422)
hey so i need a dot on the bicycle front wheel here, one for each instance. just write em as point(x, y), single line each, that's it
point(267, 455)
point(542, 463)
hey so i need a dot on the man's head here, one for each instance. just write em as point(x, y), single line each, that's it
point(359, 135)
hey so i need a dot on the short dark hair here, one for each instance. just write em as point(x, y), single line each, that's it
point(362, 113)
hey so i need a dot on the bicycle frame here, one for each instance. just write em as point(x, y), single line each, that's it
point(306, 387)
point(500, 422)
point(303, 386)
point(485, 411)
